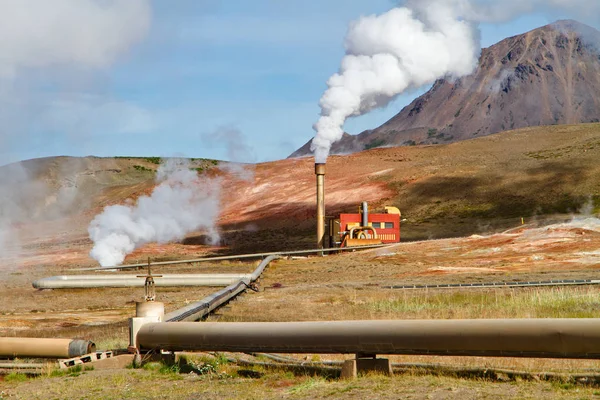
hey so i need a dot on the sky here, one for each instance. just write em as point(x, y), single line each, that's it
point(171, 78)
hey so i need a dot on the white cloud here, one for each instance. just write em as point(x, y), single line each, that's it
point(51, 53)
point(87, 33)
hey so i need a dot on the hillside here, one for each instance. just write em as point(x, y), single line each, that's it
point(473, 186)
point(548, 76)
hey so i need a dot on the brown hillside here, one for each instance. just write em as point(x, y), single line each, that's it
point(549, 76)
point(468, 187)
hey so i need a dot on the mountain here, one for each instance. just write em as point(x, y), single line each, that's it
point(548, 76)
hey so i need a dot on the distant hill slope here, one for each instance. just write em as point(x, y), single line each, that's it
point(445, 190)
point(548, 76)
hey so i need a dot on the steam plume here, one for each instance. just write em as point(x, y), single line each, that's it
point(181, 203)
point(408, 47)
point(388, 54)
point(18, 199)
point(58, 40)
point(239, 152)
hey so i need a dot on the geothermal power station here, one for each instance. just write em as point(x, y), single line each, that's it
point(459, 237)
point(154, 332)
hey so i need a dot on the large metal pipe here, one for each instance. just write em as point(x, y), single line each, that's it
point(551, 338)
point(320, 172)
point(201, 308)
point(12, 347)
point(122, 280)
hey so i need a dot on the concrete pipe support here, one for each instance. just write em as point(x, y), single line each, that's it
point(12, 347)
point(551, 338)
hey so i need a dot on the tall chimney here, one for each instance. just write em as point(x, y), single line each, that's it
point(365, 214)
point(320, 172)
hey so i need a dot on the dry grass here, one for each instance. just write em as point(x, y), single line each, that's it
point(275, 384)
point(560, 302)
point(323, 303)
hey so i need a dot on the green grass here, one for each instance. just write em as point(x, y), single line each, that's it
point(308, 385)
point(15, 377)
point(516, 303)
point(74, 371)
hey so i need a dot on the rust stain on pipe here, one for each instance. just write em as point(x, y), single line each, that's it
point(550, 338)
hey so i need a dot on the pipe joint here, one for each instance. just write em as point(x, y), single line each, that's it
point(319, 168)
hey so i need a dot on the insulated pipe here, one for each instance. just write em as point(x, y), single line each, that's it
point(236, 257)
point(120, 281)
point(44, 348)
point(551, 338)
point(320, 172)
point(202, 308)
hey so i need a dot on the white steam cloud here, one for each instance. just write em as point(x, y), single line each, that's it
point(239, 152)
point(408, 47)
point(183, 202)
point(388, 54)
point(51, 44)
point(18, 199)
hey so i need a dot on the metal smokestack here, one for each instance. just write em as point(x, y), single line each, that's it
point(365, 214)
point(320, 172)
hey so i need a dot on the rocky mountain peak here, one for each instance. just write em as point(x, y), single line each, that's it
point(548, 76)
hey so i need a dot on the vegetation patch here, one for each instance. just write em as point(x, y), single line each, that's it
point(375, 143)
point(72, 371)
point(153, 160)
point(307, 385)
point(15, 377)
point(142, 168)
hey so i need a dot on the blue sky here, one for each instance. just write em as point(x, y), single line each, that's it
point(258, 66)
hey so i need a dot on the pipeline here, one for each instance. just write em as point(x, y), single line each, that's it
point(540, 338)
point(120, 281)
point(237, 257)
point(559, 282)
point(12, 347)
point(14, 365)
point(202, 308)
